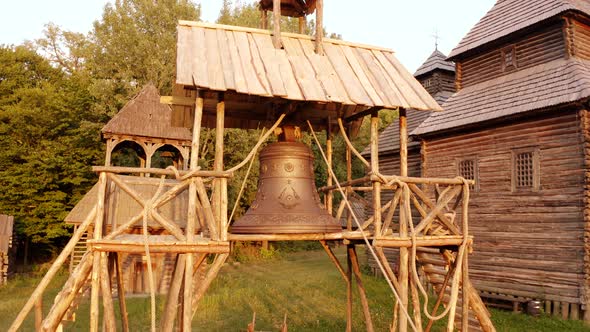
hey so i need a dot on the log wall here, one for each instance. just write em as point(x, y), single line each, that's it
point(528, 244)
point(585, 128)
point(579, 34)
point(438, 81)
point(538, 47)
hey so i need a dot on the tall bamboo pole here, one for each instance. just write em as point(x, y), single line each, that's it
point(100, 209)
point(404, 219)
point(192, 215)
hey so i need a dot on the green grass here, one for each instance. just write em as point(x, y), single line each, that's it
point(304, 285)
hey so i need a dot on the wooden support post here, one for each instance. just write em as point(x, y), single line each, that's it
point(264, 19)
point(192, 214)
point(94, 293)
point(465, 273)
point(220, 184)
point(39, 313)
point(348, 188)
point(107, 295)
point(121, 292)
point(330, 194)
point(276, 14)
point(564, 310)
point(556, 308)
point(405, 218)
point(302, 24)
point(362, 293)
point(403, 143)
point(348, 288)
point(319, 27)
point(575, 311)
point(172, 303)
point(375, 170)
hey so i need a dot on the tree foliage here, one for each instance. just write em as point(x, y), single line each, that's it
point(49, 142)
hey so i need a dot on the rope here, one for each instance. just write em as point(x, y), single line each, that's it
point(367, 242)
point(458, 263)
point(257, 146)
point(146, 212)
point(356, 153)
point(233, 211)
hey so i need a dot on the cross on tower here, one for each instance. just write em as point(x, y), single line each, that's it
point(436, 37)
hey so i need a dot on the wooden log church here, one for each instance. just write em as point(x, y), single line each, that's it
point(519, 126)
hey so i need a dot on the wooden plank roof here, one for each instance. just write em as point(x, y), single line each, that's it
point(554, 83)
point(145, 116)
point(437, 60)
point(226, 58)
point(508, 16)
point(121, 207)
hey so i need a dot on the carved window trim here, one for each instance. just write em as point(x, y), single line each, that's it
point(468, 168)
point(526, 170)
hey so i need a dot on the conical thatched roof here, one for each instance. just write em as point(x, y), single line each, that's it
point(145, 116)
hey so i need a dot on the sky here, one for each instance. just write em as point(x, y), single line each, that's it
point(405, 26)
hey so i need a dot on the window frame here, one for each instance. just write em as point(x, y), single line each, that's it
point(475, 161)
point(536, 180)
point(514, 64)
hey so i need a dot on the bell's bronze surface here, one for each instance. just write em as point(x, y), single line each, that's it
point(287, 200)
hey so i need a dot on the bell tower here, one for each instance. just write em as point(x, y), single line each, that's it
point(293, 8)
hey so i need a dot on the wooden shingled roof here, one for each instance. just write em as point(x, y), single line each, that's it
point(389, 138)
point(554, 83)
point(437, 60)
point(509, 16)
point(145, 116)
point(243, 60)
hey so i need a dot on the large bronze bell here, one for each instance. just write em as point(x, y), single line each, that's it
point(287, 200)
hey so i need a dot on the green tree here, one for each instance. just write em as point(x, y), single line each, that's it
point(49, 142)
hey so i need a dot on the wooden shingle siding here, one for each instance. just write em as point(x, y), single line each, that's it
point(527, 243)
point(540, 47)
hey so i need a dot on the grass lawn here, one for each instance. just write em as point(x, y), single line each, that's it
point(303, 285)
